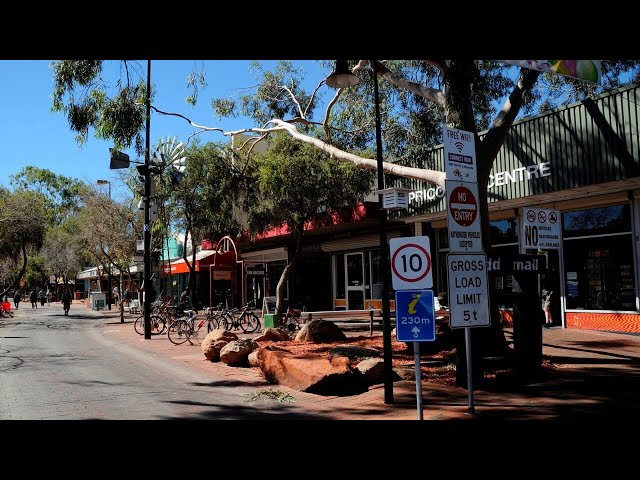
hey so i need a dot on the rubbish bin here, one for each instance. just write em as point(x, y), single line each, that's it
point(98, 300)
point(78, 295)
point(270, 320)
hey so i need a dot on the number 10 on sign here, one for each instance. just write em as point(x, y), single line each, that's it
point(411, 263)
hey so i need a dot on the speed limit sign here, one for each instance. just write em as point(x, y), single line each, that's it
point(411, 263)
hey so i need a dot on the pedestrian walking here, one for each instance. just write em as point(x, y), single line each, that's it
point(48, 295)
point(66, 301)
point(16, 299)
point(43, 297)
point(34, 298)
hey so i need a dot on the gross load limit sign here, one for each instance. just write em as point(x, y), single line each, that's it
point(468, 290)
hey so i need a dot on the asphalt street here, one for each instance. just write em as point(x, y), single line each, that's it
point(75, 367)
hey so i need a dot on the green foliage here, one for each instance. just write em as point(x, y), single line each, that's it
point(296, 183)
point(115, 112)
point(269, 394)
point(22, 221)
point(36, 275)
point(62, 194)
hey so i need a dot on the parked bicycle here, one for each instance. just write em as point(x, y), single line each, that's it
point(242, 318)
point(291, 320)
point(185, 328)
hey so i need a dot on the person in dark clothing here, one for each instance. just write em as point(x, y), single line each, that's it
point(16, 299)
point(66, 301)
point(34, 298)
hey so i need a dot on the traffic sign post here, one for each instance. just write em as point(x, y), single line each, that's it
point(468, 302)
point(463, 217)
point(415, 322)
point(540, 229)
point(468, 290)
point(415, 316)
point(410, 263)
point(459, 154)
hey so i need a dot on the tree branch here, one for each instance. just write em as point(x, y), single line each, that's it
point(431, 94)
point(295, 100)
point(311, 98)
point(431, 176)
point(325, 122)
point(439, 64)
point(497, 134)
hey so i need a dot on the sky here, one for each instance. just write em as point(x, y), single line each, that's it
point(31, 134)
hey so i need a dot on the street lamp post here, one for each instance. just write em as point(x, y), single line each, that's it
point(342, 78)
point(384, 260)
point(107, 182)
point(146, 276)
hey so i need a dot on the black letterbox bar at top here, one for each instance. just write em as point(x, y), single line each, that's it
point(517, 263)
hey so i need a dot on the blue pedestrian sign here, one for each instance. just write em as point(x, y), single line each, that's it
point(415, 316)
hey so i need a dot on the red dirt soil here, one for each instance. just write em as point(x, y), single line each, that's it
point(402, 355)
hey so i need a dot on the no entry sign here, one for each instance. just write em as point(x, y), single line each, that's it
point(411, 263)
point(463, 216)
point(463, 206)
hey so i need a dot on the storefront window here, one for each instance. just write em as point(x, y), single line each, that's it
point(597, 221)
point(504, 232)
point(599, 271)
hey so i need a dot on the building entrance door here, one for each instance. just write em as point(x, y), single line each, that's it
point(355, 280)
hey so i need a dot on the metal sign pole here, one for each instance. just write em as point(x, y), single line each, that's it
point(416, 358)
point(467, 339)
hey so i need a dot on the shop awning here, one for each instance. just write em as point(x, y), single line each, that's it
point(204, 260)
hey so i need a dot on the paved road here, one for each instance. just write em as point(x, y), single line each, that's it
point(75, 367)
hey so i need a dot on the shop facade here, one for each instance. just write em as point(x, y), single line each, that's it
point(584, 161)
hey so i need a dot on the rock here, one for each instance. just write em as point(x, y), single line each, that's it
point(273, 335)
point(252, 359)
point(354, 352)
point(405, 373)
point(214, 341)
point(320, 331)
point(235, 353)
point(311, 373)
point(373, 371)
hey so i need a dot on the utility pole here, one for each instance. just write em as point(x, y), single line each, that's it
point(146, 277)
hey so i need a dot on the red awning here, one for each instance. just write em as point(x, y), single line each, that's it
point(204, 259)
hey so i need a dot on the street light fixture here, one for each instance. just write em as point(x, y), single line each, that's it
point(105, 182)
point(341, 78)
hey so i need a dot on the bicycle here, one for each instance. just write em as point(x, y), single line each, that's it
point(291, 320)
point(158, 325)
point(185, 328)
point(244, 319)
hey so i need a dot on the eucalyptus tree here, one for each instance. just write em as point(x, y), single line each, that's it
point(63, 194)
point(61, 251)
point(106, 230)
point(297, 186)
point(22, 229)
point(200, 201)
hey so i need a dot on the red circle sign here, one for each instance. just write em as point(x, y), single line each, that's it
point(463, 206)
point(411, 263)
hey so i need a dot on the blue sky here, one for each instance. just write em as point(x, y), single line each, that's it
point(30, 134)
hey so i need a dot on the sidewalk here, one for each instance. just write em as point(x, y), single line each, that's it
point(592, 375)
